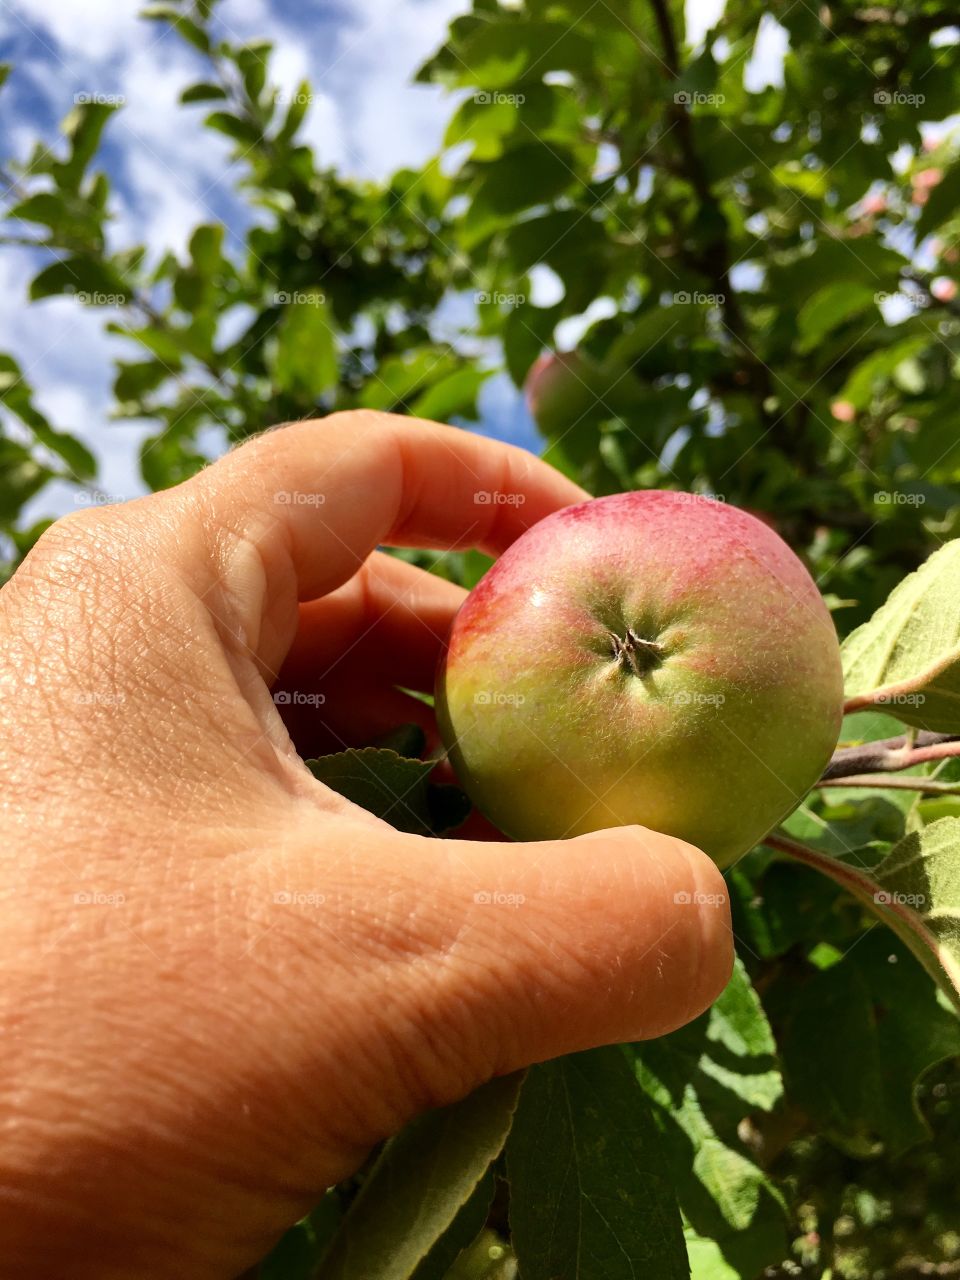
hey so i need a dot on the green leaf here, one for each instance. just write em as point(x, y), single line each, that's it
point(295, 113)
point(190, 30)
point(461, 1233)
point(392, 787)
point(873, 373)
point(705, 1079)
point(203, 92)
point(859, 1036)
point(915, 890)
point(525, 176)
point(906, 659)
point(206, 248)
point(420, 1185)
point(919, 888)
point(242, 131)
point(496, 55)
point(305, 359)
point(589, 1194)
point(453, 396)
point(83, 127)
point(90, 280)
point(21, 476)
point(828, 308)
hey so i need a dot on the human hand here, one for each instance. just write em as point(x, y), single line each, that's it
point(224, 982)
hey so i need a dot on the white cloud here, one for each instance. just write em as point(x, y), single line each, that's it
point(169, 173)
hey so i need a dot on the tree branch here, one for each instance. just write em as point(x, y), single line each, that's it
point(890, 755)
point(715, 261)
point(929, 786)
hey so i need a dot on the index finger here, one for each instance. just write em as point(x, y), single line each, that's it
point(330, 490)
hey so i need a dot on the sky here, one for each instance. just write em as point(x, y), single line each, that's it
point(367, 119)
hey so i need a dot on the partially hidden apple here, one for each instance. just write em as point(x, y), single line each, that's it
point(652, 657)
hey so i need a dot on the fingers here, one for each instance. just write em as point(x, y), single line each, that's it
point(471, 959)
point(390, 619)
point(296, 512)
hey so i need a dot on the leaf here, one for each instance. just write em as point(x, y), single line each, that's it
point(873, 373)
point(906, 659)
point(915, 890)
point(83, 127)
point(420, 1185)
point(589, 1194)
point(203, 92)
point(92, 280)
point(295, 1256)
point(461, 1233)
point(859, 1036)
point(305, 359)
point(828, 308)
point(393, 788)
point(190, 30)
point(295, 113)
point(453, 396)
point(922, 872)
point(705, 1079)
point(242, 131)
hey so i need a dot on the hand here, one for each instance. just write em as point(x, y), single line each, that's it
point(223, 982)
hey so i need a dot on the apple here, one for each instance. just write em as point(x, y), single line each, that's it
point(564, 388)
point(651, 657)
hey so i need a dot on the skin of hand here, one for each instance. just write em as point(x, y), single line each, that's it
point(222, 982)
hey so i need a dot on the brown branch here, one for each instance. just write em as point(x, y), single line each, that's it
point(716, 259)
point(890, 755)
point(929, 786)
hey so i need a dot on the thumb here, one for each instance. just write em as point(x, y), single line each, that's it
point(468, 960)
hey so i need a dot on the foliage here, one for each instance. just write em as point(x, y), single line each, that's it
point(762, 284)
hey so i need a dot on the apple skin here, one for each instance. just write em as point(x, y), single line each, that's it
point(566, 388)
point(713, 738)
point(561, 388)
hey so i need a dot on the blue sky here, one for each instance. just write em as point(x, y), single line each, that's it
point(367, 119)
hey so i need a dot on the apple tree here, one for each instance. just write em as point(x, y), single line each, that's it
point(711, 274)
